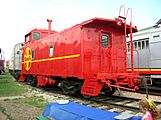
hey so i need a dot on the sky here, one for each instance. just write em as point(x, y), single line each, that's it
point(18, 17)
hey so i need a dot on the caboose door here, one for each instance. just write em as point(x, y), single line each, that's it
point(105, 52)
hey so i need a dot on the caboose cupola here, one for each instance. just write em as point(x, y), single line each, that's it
point(37, 34)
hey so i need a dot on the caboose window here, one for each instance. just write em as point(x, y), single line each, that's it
point(105, 40)
point(143, 44)
point(128, 46)
point(139, 45)
point(27, 38)
point(51, 50)
point(33, 54)
point(147, 43)
point(36, 36)
point(135, 46)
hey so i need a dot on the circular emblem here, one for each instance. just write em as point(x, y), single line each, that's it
point(27, 58)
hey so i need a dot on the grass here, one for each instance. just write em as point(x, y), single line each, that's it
point(9, 86)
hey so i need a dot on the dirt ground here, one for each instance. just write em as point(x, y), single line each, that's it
point(2, 116)
point(18, 111)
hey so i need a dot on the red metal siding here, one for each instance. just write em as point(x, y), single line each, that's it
point(111, 59)
point(65, 45)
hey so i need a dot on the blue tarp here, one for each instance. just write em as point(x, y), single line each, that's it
point(75, 111)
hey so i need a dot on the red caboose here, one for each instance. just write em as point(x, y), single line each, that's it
point(88, 57)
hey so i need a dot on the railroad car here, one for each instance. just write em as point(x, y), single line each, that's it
point(1, 62)
point(89, 57)
point(1, 66)
point(147, 44)
point(14, 63)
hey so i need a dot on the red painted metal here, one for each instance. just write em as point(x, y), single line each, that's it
point(43, 81)
point(49, 26)
point(131, 42)
point(22, 77)
point(78, 53)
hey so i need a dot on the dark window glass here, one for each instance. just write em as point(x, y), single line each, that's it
point(147, 43)
point(33, 54)
point(143, 44)
point(27, 38)
point(105, 40)
point(128, 46)
point(36, 36)
point(18, 52)
point(135, 46)
point(139, 45)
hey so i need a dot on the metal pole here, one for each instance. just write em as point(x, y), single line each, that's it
point(131, 42)
point(132, 54)
point(122, 6)
point(49, 26)
point(146, 87)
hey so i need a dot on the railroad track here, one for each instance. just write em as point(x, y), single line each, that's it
point(156, 92)
point(120, 104)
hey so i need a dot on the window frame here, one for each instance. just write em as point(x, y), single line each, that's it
point(142, 44)
point(103, 43)
point(27, 38)
point(34, 34)
point(51, 46)
point(147, 43)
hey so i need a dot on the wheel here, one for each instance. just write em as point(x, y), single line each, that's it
point(108, 91)
point(70, 88)
point(34, 82)
point(64, 87)
point(31, 80)
point(65, 90)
